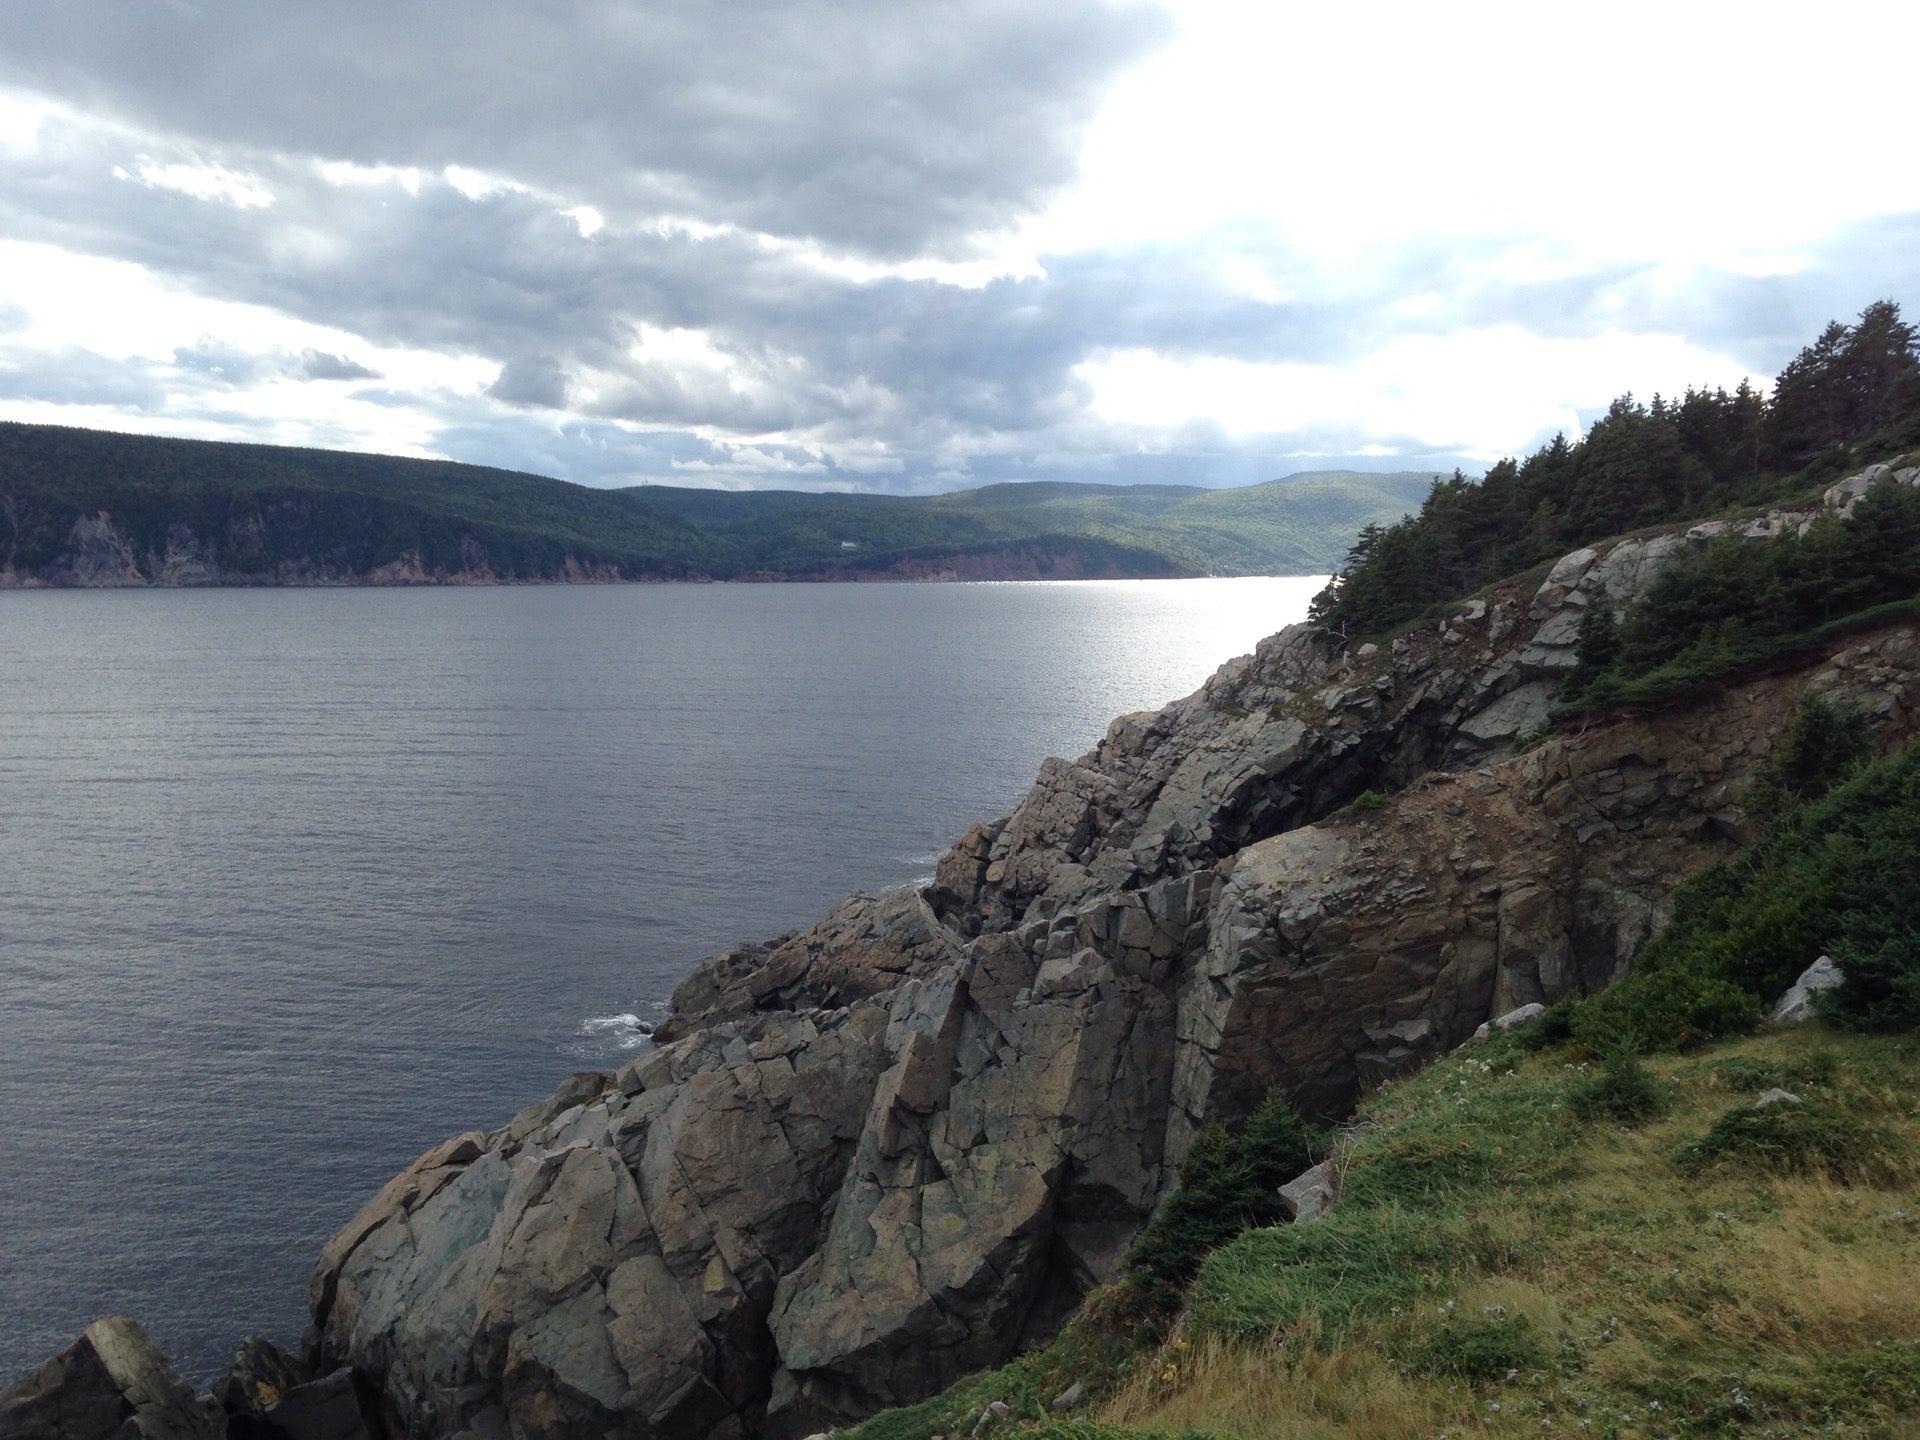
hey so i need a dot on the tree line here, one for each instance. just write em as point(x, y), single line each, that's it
point(1856, 387)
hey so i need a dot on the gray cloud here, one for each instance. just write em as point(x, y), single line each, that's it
point(322, 365)
point(887, 129)
point(535, 381)
point(70, 376)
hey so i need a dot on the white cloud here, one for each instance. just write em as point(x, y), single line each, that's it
point(1480, 393)
point(345, 172)
point(1689, 133)
point(123, 311)
point(202, 179)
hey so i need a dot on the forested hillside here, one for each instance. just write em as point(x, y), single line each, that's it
point(1854, 392)
point(92, 507)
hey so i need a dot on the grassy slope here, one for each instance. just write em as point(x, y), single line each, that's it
point(1501, 1266)
point(356, 511)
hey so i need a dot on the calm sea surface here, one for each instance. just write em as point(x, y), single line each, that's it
point(294, 884)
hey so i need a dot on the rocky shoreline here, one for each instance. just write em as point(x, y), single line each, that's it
point(100, 555)
point(875, 1154)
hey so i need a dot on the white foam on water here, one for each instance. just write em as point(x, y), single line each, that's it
point(625, 1031)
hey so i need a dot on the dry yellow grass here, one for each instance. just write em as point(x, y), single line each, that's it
point(1260, 1394)
point(1735, 1293)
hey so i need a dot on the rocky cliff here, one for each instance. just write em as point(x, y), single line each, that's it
point(877, 1153)
point(880, 1152)
point(101, 553)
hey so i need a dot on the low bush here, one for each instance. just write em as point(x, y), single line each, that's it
point(1550, 1027)
point(1621, 1089)
point(1815, 1135)
point(1230, 1181)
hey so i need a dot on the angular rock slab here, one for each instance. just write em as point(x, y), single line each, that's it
point(110, 1384)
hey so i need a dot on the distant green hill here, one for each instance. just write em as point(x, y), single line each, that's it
point(89, 507)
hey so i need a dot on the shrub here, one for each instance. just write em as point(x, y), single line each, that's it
point(1827, 741)
point(1622, 1089)
point(1816, 1135)
point(1596, 644)
point(1368, 801)
point(1833, 876)
point(1230, 1182)
point(1882, 989)
point(1551, 1027)
point(1475, 1348)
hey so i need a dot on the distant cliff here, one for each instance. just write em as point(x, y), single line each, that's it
point(94, 508)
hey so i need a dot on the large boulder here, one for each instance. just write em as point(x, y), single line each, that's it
point(110, 1384)
point(1800, 1002)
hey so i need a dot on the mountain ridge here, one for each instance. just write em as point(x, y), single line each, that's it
point(105, 508)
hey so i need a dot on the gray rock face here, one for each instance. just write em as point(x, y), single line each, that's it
point(110, 1384)
point(1798, 1005)
point(878, 1153)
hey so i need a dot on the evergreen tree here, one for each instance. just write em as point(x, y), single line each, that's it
point(1639, 465)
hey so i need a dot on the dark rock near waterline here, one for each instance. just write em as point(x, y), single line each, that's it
point(334, 1407)
point(110, 1384)
point(260, 1374)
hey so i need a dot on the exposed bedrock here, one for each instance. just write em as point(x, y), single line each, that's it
point(872, 1155)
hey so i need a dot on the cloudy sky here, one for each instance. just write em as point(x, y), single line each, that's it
point(930, 243)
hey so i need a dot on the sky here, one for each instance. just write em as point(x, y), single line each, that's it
point(932, 243)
